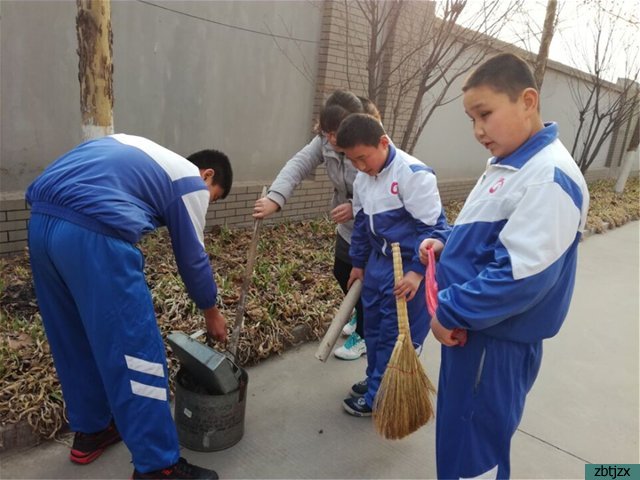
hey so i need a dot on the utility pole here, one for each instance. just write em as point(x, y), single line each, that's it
point(95, 67)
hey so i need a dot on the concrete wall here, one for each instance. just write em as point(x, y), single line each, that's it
point(181, 81)
point(192, 75)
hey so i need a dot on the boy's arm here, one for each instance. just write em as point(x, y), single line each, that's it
point(360, 247)
point(421, 199)
point(185, 220)
point(299, 167)
point(527, 261)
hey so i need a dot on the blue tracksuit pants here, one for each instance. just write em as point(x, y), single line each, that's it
point(381, 318)
point(481, 395)
point(99, 319)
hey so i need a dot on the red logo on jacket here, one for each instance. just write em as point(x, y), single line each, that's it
point(497, 185)
point(394, 188)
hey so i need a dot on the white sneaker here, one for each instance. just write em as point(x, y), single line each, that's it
point(352, 349)
point(350, 327)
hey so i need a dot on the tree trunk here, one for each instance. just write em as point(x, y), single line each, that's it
point(545, 42)
point(95, 67)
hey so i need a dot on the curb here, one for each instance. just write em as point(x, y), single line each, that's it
point(17, 435)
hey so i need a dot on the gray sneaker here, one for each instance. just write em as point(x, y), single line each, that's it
point(359, 389)
point(357, 407)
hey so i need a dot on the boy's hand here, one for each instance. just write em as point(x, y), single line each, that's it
point(342, 213)
point(356, 273)
point(264, 207)
point(435, 244)
point(216, 324)
point(408, 286)
point(443, 335)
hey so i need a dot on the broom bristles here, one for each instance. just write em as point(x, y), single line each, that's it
point(403, 403)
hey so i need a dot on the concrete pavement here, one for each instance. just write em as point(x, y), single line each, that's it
point(583, 408)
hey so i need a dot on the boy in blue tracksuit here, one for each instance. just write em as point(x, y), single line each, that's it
point(396, 199)
point(88, 210)
point(506, 272)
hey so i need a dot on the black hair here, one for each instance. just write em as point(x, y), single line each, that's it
point(347, 100)
point(339, 104)
point(504, 73)
point(219, 162)
point(359, 129)
point(331, 117)
point(370, 108)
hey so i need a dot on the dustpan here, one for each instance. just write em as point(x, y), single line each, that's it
point(213, 369)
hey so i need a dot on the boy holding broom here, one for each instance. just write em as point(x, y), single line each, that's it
point(395, 199)
point(506, 272)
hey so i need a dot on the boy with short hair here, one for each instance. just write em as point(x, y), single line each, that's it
point(396, 199)
point(89, 208)
point(506, 272)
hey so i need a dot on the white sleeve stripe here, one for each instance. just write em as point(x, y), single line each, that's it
point(490, 474)
point(144, 366)
point(196, 204)
point(536, 239)
point(149, 391)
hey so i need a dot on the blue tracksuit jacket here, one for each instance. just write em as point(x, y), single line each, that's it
point(125, 186)
point(506, 275)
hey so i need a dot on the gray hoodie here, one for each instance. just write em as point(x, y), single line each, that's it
point(339, 168)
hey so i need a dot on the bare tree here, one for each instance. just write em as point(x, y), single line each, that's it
point(382, 20)
point(415, 52)
point(450, 51)
point(602, 107)
point(95, 67)
point(550, 21)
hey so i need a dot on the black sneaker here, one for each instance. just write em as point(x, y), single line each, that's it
point(182, 469)
point(359, 389)
point(89, 446)
point(357, 407)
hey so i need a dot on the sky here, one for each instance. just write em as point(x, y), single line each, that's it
point(573, 43)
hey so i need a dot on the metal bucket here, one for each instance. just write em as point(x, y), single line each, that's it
point(207, 422)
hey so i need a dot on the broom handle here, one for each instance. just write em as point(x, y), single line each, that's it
point(342, 316)
point(401, 303)
point(248, 274)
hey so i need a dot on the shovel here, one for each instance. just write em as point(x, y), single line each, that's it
point(246, 283)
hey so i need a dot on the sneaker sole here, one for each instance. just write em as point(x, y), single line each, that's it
point(346, 359)
point(355, 394)
point(355, 413)
point(83, 458)
point(337, 354)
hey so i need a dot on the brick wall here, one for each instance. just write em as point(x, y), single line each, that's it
point(14, 215)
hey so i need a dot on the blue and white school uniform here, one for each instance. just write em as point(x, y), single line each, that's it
point(89, 208)
point(506, 275)
point(400, 204)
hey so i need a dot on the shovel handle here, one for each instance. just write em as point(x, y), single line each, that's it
point(246, 283)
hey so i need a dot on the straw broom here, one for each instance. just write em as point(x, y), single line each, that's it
point(403, 403)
